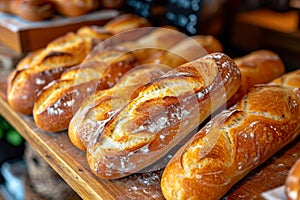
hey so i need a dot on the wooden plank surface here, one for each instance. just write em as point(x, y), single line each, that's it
point(71, 165)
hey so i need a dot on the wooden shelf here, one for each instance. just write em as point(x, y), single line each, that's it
point(71, 165)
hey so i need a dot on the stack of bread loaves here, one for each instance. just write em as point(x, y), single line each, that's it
point(142, 101)
point(45, 65)
point(37, 10)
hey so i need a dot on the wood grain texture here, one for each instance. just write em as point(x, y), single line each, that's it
point(70, 164)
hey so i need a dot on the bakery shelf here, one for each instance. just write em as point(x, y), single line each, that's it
point(71, 165)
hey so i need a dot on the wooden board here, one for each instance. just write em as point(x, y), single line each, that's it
point(71, 164)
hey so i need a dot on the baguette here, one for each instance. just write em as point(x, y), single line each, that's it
point(31, 10)
point(165, 112)
point(263, 62)
point(101, 106)
point(118, 61)
point(74, 8)
point(234, 143)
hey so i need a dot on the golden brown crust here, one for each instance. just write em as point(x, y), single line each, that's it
point(115, 4)
point(4, 6)
point(292, 184)
point(186, 50)
point(57, 103)
point(100, 107)
point(149, 126)
point(32, 10)
point(26, 61)
point(60, 54)
point(258, 67)
point(158, 39)
point(126, 22)
point(233, 143)
point(290, 80)
point(74, 8)
point(94, 32)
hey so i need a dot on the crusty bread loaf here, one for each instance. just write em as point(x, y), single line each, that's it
point(31, 10)
point(117, 62)
point(74, 8)
point(260, 66)
point(100, 107)
point(233, 143)
point(165, 112)
point(4, 6)
point(292, 183)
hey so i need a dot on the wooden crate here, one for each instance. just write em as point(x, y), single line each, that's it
point(23, 36)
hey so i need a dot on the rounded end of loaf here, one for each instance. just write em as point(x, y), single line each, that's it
point(209, 43)
point(19, 95)
point(73, 136)
point(75, 139)
point(263, 62)
point(292, 184)
point(103, 171)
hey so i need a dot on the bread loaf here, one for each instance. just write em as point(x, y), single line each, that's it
point(31, 10)
point(260, 66)
point(165, 112)
point(291, 80)
point(4, 6)
point(43, 66)
point(74, 8)
point(116, 63)
point(101, 106)
point(292, 184)
point(233, 143)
